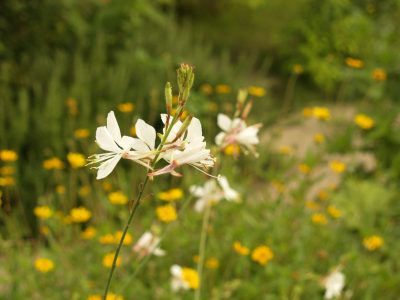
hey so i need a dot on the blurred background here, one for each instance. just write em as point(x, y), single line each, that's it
point(311, 67)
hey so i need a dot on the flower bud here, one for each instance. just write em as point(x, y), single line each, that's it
point(184, 126)
point(168, 97)
point(185, 82)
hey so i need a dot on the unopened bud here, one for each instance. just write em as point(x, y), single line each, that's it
point(247, 110)
point(168, 97)
point(185, 81)
point(184, 127)
point(241, 99)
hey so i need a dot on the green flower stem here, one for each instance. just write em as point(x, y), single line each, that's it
point(202, 249)
point(132, 213)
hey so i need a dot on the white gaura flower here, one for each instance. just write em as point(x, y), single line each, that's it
point(109, 139)
point(334, 284)
point(237, 132)
point(212, 192)
point(147, 245)
point(184, 278)
point(190, 149)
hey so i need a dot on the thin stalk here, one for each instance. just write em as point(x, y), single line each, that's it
point(132, 213)
point(289, 93)
point(202, 249)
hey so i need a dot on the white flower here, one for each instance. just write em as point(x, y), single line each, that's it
point(186, 150)
point(109, 139)
point(334, 284)
point(237, 132)
point(213, 191)
point(147, 245)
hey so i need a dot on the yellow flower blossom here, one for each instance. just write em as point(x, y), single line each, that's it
point(278, 186)
point(60, 189)
point(206, 89)
point(304, 168)
point(323, 195)
point(372, 243)
point(240, 249)
point(319, 219)
point(107, 186)
point(191, 277)
point(128, 238)
point(44, 230)
point(8, 155)
point(298, 69)
point(222, 89)
point(212, 263)
point(81, 133)
point(109, 258)
point(80, 214)
point(286, 150)
point(307, 112)
point(126, 107)
point(53, 163)
point(7, 171)
point(379, 74)
point(76, 160)
point(84, 191)
point(110, 296)
point(364, 122)
point(354, 63)
point(334, 211)
point(117, 198)
point(107, 239)
point(321, 113)
point(166, 213)
point(89, 233)
point(256, 91)
point(319, 138)
point(44, 265)
point(262, 255)
point(312, 205)
point(7, 181)
point(337, 166)
point(43, 212)
point(171, 195)
point(232, 150)
point(133, 131)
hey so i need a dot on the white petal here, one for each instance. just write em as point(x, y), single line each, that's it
point(113, 128)
point(159, 252)
point(105, 140)
point(194, 130)
point(128, 142)
point(146, 133)
point(248, 136)
point(224, 122)
point(107, 167)
point(229, 193)
point(176, 271)
point(219, 139)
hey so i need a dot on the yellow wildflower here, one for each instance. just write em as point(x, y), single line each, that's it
point(232, 150)
point(110, 296)
point(95, 297)
point(88, 233)
point(126, 107)
point(72, 106)
point(166, 213)
point(334, 211)
point(337, 166)
point(81, 133)
point(7, 181)
point(60, 189)
point(321, 113)
point(278, 186)
point(323, 195)
point(44, 265)
point(128, 238)
point(298, 69)
point(319, 219)
point(196, 258)
point(206, 89)
point(117, 198)
point(191, 277)
point(354, 63)
point(8, 155)
point(304, 168)
point(84, 191)
point(171, 195)
point(312, 205)
point(43, 212)
point(364, 122)
point(107, 239)
point(53, 163)
point(212, 263)
point(240, 249)
point(286, 150)
point(44, 230)
point(319, 138)
point(373, 242)
point(307, 112)
point(107, 186)
point(379, 74)
point(80, 214)
point(7, 170)
point(109, 258)
point(133, 131)
point(222, 89)
point(76, 160)
point(262, 255)
point(256, 91)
